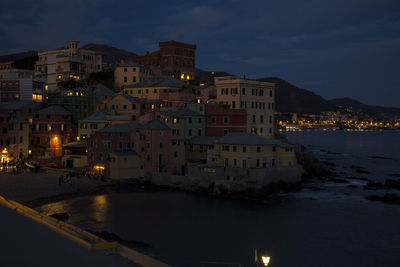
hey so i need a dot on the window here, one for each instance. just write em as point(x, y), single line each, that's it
point(148, 157)
point(125, 69)
point(252, 91)
point(258, 163)
point(199, 120)
point(222, 91)
point(21, 139)
point(199, 132)
point(234, 162)
point(124, 107)
point(134, 69)
point(254, 118)
point(120, 145)
point(270, 130)
point(125, 79)
point(234, 148)
point(190, 119)
point(244, 164)
point(233, 104)
point(190, 132)
point(274, 149)
point(161, 145)
point(226, 120)
point(225, 131)
point(270, 93)
point(176, 154)
point(134, 79)
point(258, 149)
point(261, 92)
point(261, 119)
point(270, 119)
point(49, 127)
point(243, 91)
point(244, 149)
point(213, 120)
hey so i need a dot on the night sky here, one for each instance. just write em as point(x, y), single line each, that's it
point(334, 48)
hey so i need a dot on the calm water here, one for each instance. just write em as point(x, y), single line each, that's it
point(337, 227)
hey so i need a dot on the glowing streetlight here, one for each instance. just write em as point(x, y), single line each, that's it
point(265, 260)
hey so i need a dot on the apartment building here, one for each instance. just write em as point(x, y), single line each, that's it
point(256, 97)
point(65, 64)
point(245, 150)
point(19, 84)
point(130, 73)
point(173, 59)
point(130, 149)
point(14, 137)
point(221, 119)
point(51, 128)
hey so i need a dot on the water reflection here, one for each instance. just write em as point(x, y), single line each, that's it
point(99, 208)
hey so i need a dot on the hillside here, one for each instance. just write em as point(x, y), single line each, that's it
point(111, 54)
point(292, 99)
point(357, 107)
point(17, 56)
point(208, 76)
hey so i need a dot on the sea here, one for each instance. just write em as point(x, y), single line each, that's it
point(325, 224)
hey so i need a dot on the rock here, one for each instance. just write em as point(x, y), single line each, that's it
point(313, 167)
point(362, 171)
point(60, 216)
point(316, 188)
point(387, 198)
point(338, 180)
point(357, 178)
point(378, 157)
point(356, 167)
point(330, 164)
point(394, 184)
point(389, 184)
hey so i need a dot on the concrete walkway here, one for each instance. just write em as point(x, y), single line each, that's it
point(27, 243)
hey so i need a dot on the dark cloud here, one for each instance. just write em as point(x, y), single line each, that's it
point(335, 48)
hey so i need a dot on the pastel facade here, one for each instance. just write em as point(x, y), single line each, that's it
point(51, 128)
point(222, 119)
point(130, 73)
point(173, 59)
point(128, 109)
point(150, 141)
point(14, 136)
point(241, 150)
point(256, 97)
point(18, 84)
point(63, 64)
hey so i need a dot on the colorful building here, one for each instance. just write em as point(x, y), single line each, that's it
point(256, 97)
point(145, 148)
point(173, 59)
point(130, 73)
point(51, 128)
point(67, 64)
point(221, 119)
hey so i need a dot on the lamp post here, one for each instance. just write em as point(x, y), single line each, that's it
point(261, 260)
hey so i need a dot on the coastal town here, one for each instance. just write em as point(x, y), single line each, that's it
point(157, 121)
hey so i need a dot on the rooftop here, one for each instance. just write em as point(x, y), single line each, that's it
point(179, 113)
point(163, 81)
point(54, 110)
point(203, 140)
point(139, 100)
point(97, 116)
point(249, 139)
